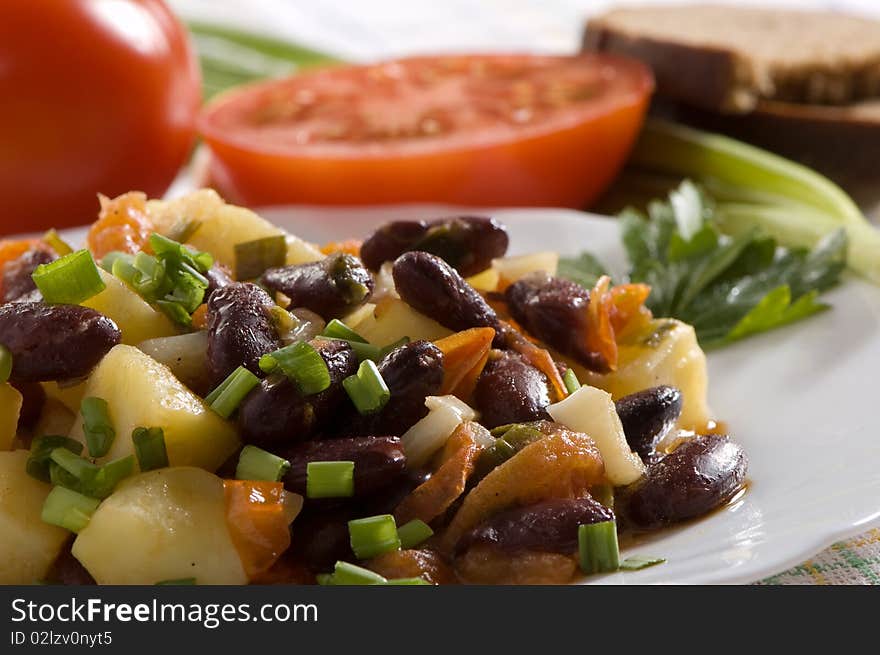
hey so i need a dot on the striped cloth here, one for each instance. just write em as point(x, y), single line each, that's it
point(852, 562)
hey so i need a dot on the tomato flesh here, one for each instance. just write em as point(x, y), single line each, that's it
point(475, 130)
point(98, 96)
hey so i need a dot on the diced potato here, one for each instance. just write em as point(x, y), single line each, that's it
point(165, 524)
point(69, 395)
point(223, 226)
point(592, 412)
point(27, 546)
point(302, 252)
point(488, 280)
point(55, 418)
point(185, 354)
point(667, 352)
point(511, 269)
point(393, 319)
point(10, 407)
point(359, 315)
point(134, 316)
point(141, 392)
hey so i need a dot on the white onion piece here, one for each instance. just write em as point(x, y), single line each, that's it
point(428, 435)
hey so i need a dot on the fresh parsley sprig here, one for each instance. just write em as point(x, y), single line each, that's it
point(727, 287)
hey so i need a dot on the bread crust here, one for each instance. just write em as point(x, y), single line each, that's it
point(714, 78)
point(744, 55)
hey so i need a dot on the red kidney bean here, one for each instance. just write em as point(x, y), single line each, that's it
point(467, 243)
point(550, 526)
point(412, 372)
point(378, 461)
point(319, 536)
point(54, 342)
point(16, 283)
point(510, 390)
point(431, 286)
point(66, 570)
point(698, 476)
point(331, 287)
point(240, 329)
point(219, 277)
point(276, 413)
point(34, 397)
point(647, 416)
point(555, 311)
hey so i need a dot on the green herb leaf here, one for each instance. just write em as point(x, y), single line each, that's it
point(727, 287)
point(639, 562)
point(585, 269)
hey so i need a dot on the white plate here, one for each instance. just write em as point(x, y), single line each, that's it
point(798, 399)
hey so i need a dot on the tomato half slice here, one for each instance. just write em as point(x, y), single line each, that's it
point(487, 130)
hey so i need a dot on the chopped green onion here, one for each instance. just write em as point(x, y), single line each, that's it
point(5, 363)
point(149, 447)
point(406, 581)
point(54, 240)
point(175, 312)
point(73, 464)
point(172, 250)
point(252, 258)
point(98, 429)
point(302, 364)
point(365, 351)
point(226, 398)
point(110, 258)
point(68, 509)
point(639, 562)
point(373, 536)
point(367, 389)
point(571, 381)
point(176, 582)
point(324, 579)
point(124, 269)
point(101, 481)
point(597, 545)
point(413, 533)
point(69, 280)
point(336, 329)
point(330, 479)
point(257, 464)
point(152, 283)
point(350, 574)
point(41, 451)
point(80, 475)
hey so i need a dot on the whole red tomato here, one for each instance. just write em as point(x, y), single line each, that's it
point(96, 96)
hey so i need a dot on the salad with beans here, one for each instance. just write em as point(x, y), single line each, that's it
point(198, 397)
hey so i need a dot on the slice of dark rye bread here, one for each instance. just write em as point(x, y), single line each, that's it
point(728, 58)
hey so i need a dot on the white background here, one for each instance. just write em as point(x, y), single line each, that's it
point(374, 29)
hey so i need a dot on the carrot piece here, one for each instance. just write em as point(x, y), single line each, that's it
point(628, 306)
point(258, 515)
point(600, 333)
point(432, 498)
point(349, 246)
point(563, 464)
point(538, 357)
point(12, 249)
point(122, 225)
point(200, 317)
point(465, 354)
